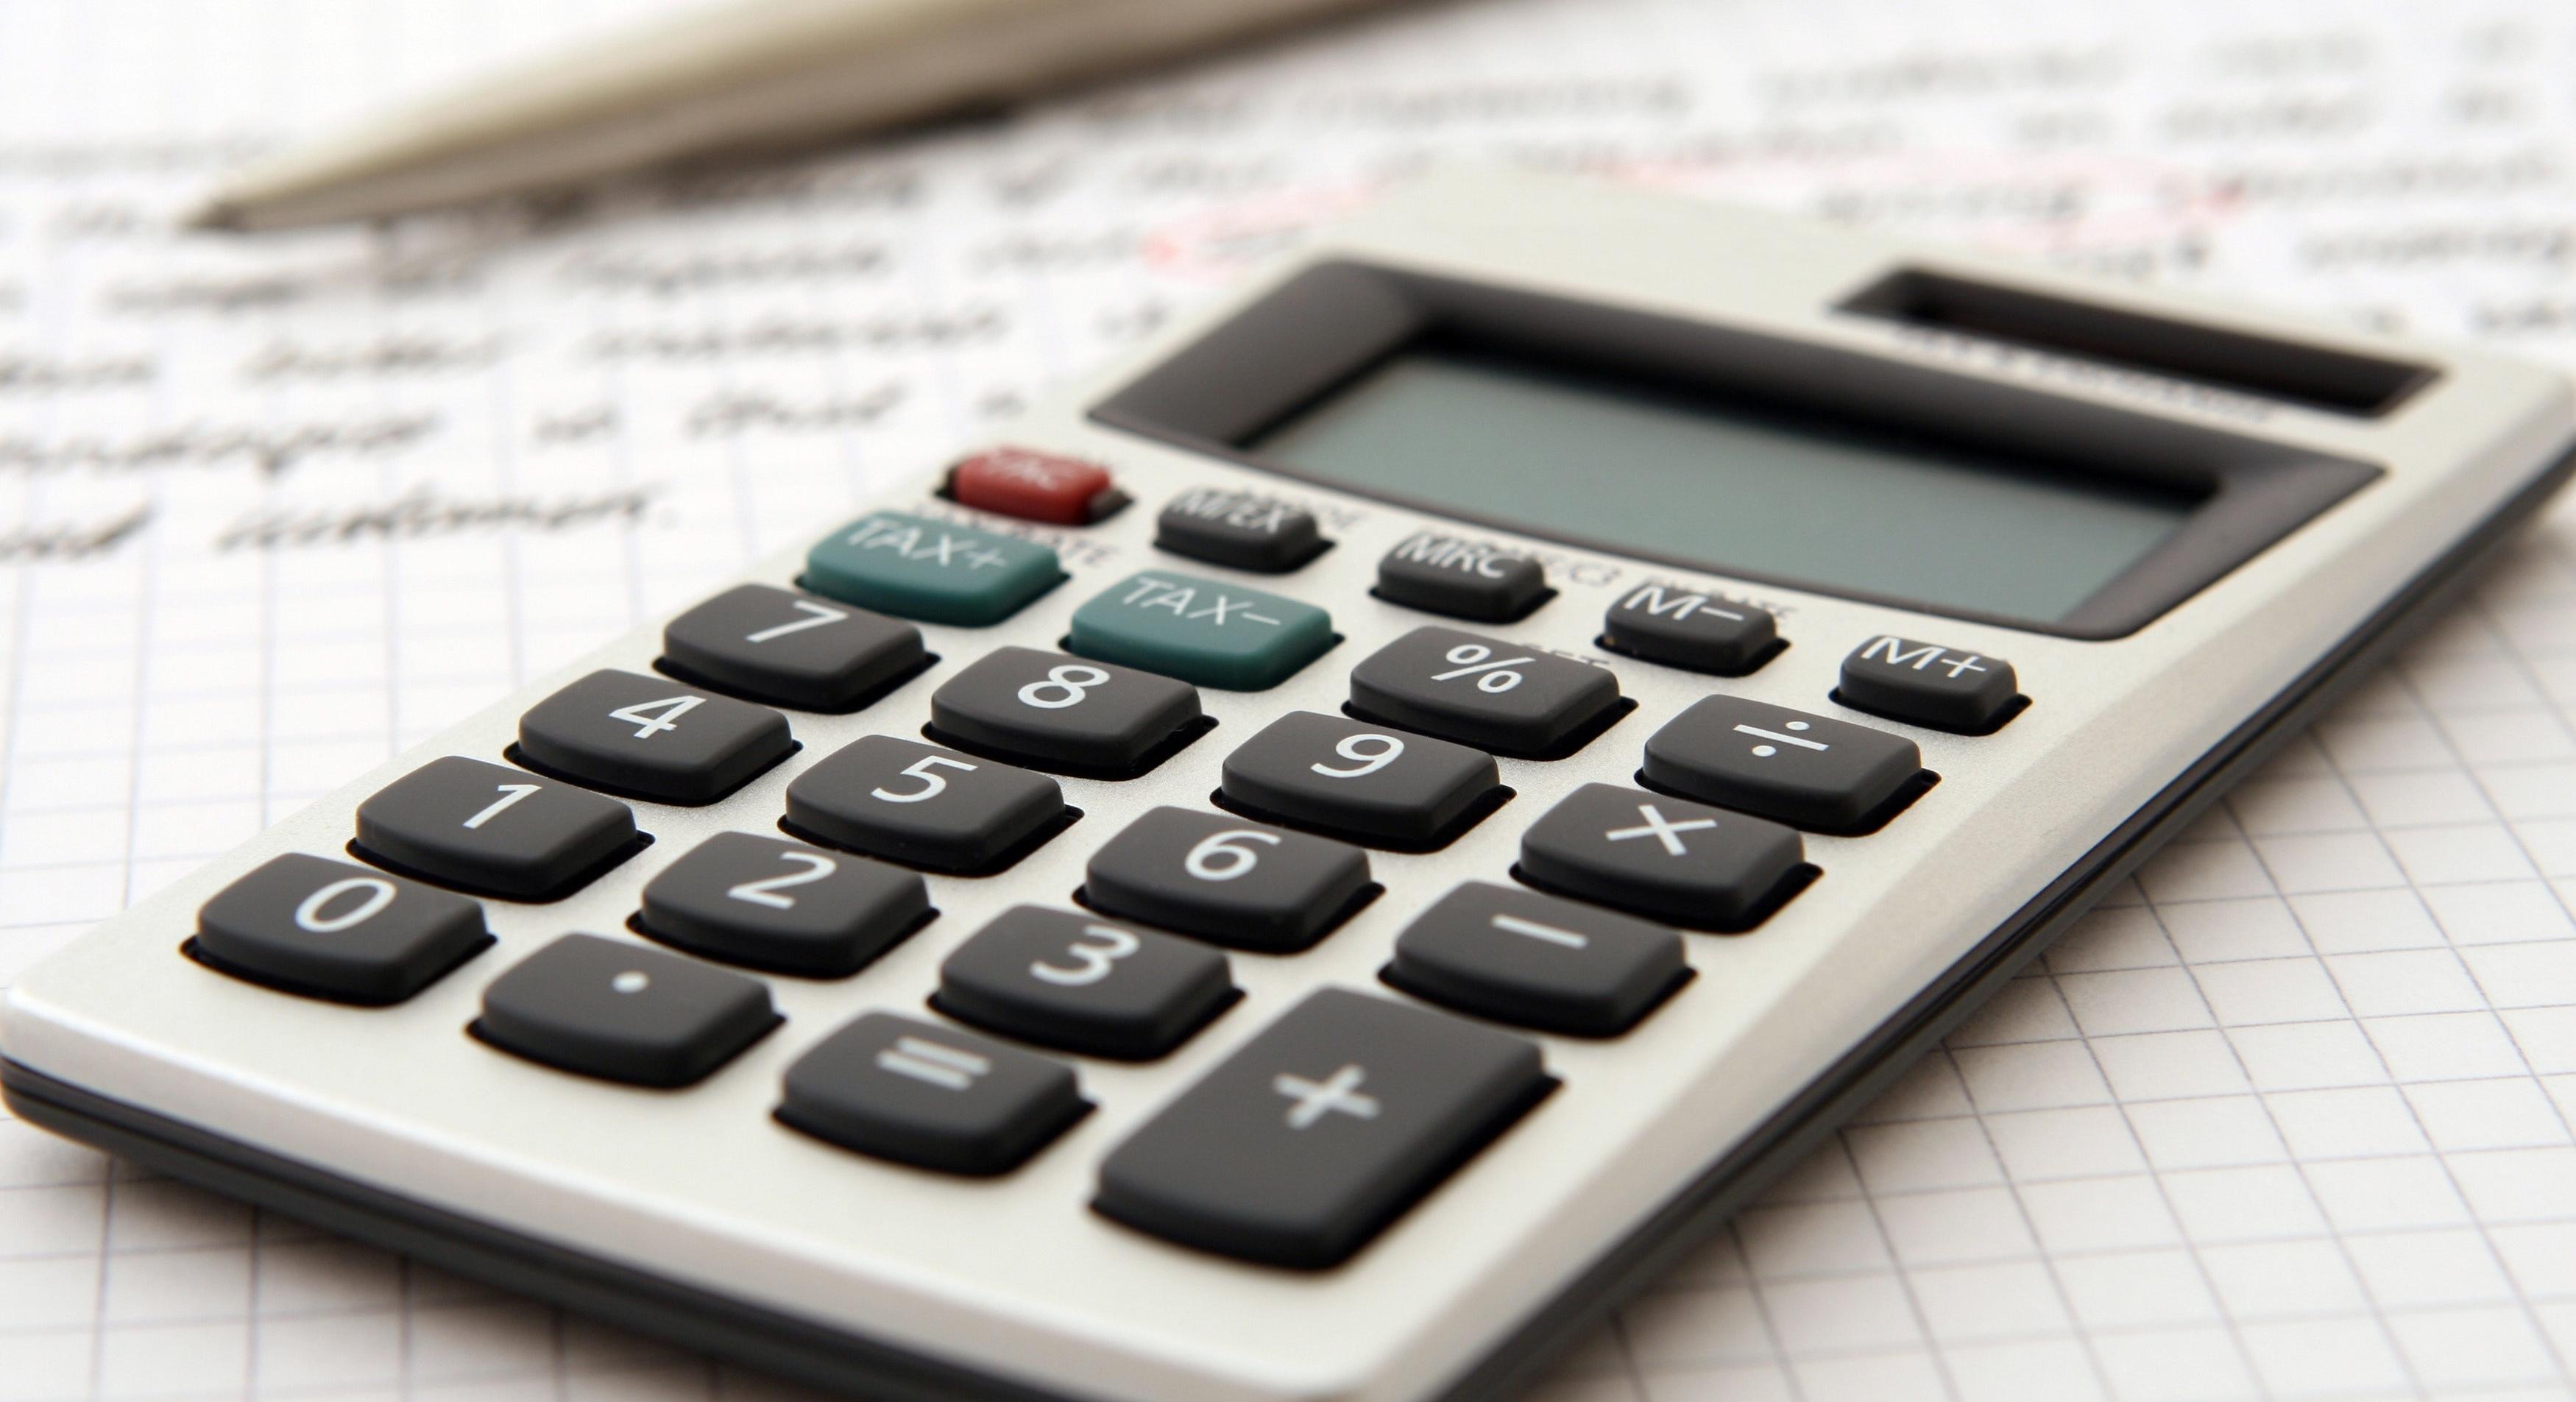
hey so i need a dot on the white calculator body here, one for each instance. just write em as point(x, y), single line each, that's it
point(1309, 867)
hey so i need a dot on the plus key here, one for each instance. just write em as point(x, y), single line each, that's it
point(1321, 1130)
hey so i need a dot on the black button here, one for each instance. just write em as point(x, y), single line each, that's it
point(1929, 685)
point(1483, 692)
point(1829, 775)
point(1064, 979)
point(331, 930)
point(1665, 858)
point(623, 1012)
point(1060, 712)
point(1240, 529)
point(1517, 956)
point(494, 830)
point(791, 649)
point(1228, 881)
point(1344, 776)
point(650, 738)
point(930, 1096)
point(1692, 631)
point(1461, 578)
point(1321, 1130)
point(755, 900)
point(924, 806)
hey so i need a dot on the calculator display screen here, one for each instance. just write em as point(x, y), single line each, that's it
point(1736, 488)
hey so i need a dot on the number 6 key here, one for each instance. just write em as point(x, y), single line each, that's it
point(1227, 881)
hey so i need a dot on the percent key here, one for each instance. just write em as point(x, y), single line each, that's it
point(1485, 692)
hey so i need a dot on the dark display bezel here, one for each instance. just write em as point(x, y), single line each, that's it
point(1335, 322)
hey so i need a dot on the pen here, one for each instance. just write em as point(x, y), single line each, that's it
point(742, 76)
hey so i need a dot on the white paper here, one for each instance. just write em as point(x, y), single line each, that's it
point(2288, 1118)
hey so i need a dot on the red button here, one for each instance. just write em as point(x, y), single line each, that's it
point(1034, 486)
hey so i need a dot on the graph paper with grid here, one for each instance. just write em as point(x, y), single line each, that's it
point(2287, 1117)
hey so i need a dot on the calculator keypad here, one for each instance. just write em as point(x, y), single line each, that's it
point(1227, 881)
point(790, 649)
point(1358, 781)
point(1320, 1130)
point(651, 738)
point(331, 930)
point(1201, 631)
point(1064, 979)
point(903, 1089)
point(1665, 858)
point(1806, 770)
point(1309, 1138)
point(1520, 957)
point(924, 806)
point(1461, 578)
point(769, 904)
point(623, 1012)
point(1065, 713)
point(1929, 685)
point(494, 830)
point(915, 567)
point(1481, 691)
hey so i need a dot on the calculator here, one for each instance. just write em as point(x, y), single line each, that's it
point(1312, 867)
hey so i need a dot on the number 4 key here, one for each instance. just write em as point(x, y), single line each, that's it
point(647, 737)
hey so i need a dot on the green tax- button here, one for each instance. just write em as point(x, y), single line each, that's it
point(1201, 631)
point(915, 567)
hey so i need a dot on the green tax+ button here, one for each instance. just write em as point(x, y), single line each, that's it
point(1201, 631)
point(914, 567)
